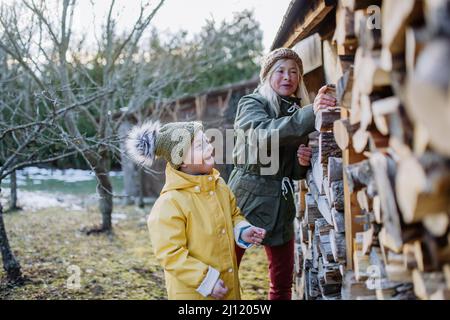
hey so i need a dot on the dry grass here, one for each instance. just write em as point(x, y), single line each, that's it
point(49, 244)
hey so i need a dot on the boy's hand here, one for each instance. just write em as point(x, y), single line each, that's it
point(304, 155)
point(219, 290)
point(253, 235)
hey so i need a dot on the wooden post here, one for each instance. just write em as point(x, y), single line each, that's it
point(351, 208)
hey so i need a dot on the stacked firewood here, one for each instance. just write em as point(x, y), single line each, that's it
point(392, 126)
point(320, 246)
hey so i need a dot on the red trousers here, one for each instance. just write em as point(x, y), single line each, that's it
point(281, 269)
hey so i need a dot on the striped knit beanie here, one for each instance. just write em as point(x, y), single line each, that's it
point(278, 54)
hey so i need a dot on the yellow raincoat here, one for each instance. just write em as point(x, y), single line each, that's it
point(192, 228)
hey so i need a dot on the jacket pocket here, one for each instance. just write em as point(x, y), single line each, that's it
point(259, 201)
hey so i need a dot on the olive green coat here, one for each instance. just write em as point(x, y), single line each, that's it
point(260, 196)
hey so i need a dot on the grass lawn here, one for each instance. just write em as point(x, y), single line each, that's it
point(51, 248)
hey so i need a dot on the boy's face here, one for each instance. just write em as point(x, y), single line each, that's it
point(199, 159)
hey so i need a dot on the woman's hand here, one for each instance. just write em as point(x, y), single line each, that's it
point(253, 235)
point(304, 154)
point(220, 290)
point(324, 99)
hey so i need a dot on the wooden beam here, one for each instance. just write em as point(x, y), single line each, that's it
point(351, 208)
point(309, 23)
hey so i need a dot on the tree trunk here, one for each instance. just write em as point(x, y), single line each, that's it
point(141, 188)
point(13, 205)
point(104, 190)
point(10, 264)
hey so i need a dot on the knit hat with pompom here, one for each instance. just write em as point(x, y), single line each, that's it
point(171, 141)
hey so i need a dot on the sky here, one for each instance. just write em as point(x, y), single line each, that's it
point(190, 15)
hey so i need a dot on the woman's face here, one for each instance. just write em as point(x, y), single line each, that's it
point(284, 79)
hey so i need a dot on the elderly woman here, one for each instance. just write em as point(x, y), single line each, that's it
point(280, 104)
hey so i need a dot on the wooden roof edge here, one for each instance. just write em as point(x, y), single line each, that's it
point(300, 19)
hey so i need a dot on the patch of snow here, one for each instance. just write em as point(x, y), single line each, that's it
point(37, 200)
point(66, 175)
point(116, 217)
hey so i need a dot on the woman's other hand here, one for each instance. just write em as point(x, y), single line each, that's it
point(304, 154)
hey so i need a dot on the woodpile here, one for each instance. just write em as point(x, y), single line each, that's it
point(373, 214)
point(320, 246)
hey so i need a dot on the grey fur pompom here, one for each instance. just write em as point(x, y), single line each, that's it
point(141, 143)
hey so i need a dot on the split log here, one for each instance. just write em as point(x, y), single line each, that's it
point(446, 270)
point(360, 175)
point(326, 188)
point(298, 258)
point(361, 263)
point(367, 240)
point(334, 169)
point(313, 190)
point(360, 139)
point(400, 127)
point(430, 82)
point(376, 259)
point(312, 213)
point(414, 43)
point(343, 132)
point(376, 206)
point(441, 294)
point(338, 220)
point(325, 119)
point(423, 188)
point(303, 232)
point(322, 228)
point(332, 275)
point(328, 147)
point(318, 172)
point(337, 242)
point(330, 59)
point(344, 89)
point(363, 200)
point(425, 284)
point(409, 257)
point(437, 224)
point(384, 170)
point(315, 250)
point(398, 273)
point(325, 209)
point(430, 255)
point(381, 108)
point(437, 17)
point(337, 195)
point(344, 34)
point(355, 290)
point(395, 16)
point(368, 72)
point(313, 284)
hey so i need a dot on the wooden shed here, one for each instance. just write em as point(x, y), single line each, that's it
point(373, 213)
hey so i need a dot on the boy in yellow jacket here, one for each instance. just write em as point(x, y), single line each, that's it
point(195, 222)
